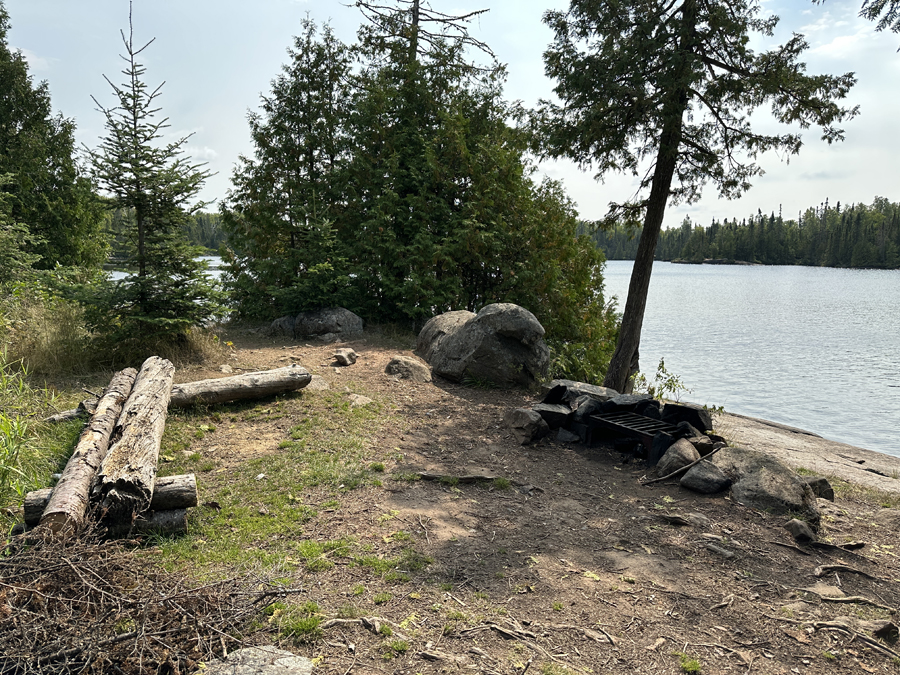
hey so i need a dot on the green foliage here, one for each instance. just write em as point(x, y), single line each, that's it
point(858, 235)
point(282, 255)
point(663, 385)
point(46, 192)
point(689, 665)
point(152, 183)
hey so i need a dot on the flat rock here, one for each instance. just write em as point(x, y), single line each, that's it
point(705, 478)
point(526, 425)
point(679, 455)
point(261, 661)
point(566, 436)
point(566, 391)
point(357, 401)
point(318, 383)
point(763, 482)
point(555, 415)
point(409, 368)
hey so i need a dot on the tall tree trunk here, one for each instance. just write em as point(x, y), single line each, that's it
point(623, 364)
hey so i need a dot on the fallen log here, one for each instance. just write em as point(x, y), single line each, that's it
point(125, 481)
point(224, 389)
point(68, 505)
point(155, 522)
point(240, 387)
point(85, 409)
point(169, 493)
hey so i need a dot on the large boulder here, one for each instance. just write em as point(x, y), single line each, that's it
point(337, 320)
point(409, 368)
point(503, 345)
point(706, 478)
point(679, 455)
point(765, 483)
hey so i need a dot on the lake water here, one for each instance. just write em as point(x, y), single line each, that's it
point(815, 348)
point(213, 260)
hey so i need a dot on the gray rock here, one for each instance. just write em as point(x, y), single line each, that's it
point(820, 487)
point(626, 402)
point(437, 329)
point(586, 406)
point(679, 455)
point(503, 344)
point(336, 320)
point(282, 326)
point(317, 383)
point(409, 368)
point(555, 415)
point(649, 408)
point(357, 401)
point(705, 478)
point(661, 442)
point(696, 416)
point(566, 436)
point(328, 338)
point(527, 426)
point(800, 531)
point(704, 445)
point(566, 391)
point(225, 368)
point(763, 482)
point(346, 356)
point(261, 661)
point(688, 430)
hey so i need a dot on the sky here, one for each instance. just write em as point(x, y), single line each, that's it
point(217, 57)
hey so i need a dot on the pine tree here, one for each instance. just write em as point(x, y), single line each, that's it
point(153, 184)
point(47, 192)
point(674, 83)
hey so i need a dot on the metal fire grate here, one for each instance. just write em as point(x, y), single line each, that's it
point(631, 425)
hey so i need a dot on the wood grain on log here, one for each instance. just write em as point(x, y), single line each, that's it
point(240, 387)
point(169, 492)
point(126, 478)
point(69, 503)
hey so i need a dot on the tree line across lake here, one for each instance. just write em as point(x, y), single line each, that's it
point(857, 236)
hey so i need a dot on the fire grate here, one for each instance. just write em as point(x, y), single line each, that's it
point(630, 425)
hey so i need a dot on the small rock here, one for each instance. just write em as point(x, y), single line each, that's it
point(705, 478)
point(725, 553)
point(698, 520)
point(826, 590)
point(526, 425)
point(409, 368)
point(687, 430)
point(679, 455)
point(698, 417)
point(704, 445)
point(226, 369)
point(346, 356)
point(259, 661)
point(357, 401)
point(317, 383)
point(328, 338)
point(566, 436)
point(820, 487)
point(800, 531)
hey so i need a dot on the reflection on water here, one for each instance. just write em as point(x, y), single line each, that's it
point(816, 348)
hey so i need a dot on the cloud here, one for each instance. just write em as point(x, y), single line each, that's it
point(198, 153)
point(36, 63)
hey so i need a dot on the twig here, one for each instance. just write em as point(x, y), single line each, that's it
point(88, 391)
point(427, 538)
point(681, 470)
point(790, 546)
point(822, 570)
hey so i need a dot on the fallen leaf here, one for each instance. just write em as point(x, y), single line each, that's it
point(590, 575)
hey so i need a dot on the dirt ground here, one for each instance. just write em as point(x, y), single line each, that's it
point(576, 566)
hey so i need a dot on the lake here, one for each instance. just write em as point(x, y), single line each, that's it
point(812, 347)
point(213, 260)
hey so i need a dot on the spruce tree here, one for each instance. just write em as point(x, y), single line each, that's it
point(153, 183)
point(47, 193)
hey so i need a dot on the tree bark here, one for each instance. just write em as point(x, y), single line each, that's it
point(157, 522)
point(169, 493)
point(240, 387)
point(623, 364)
point(67, 507)
point(126, 478)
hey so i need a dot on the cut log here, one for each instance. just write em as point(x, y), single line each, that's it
point(224, 389)
point(153, 522)
point(240, 387)
point(70, 499)
point(126, 478)
point(169, 493)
